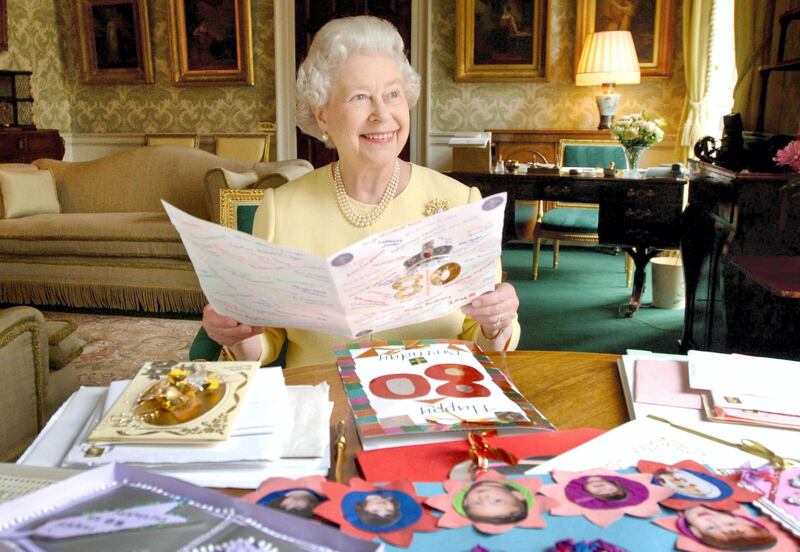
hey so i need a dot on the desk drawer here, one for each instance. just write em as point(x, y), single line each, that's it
point(641, 215)
point(573, 190)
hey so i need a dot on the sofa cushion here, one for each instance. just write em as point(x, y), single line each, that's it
point(92, 235)
point(15, 167)
point(28, 193)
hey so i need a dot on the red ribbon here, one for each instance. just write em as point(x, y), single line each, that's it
point(480, 451)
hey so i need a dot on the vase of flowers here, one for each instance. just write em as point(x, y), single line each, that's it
point(637, 132)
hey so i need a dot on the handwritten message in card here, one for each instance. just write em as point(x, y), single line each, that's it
point(97, 523)
point(410, 274)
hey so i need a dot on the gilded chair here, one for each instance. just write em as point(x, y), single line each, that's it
point(248, 148)
point(188, 140)
point(237, 210)
point(576, 222)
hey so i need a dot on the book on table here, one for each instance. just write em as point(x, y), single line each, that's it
point(427, 390)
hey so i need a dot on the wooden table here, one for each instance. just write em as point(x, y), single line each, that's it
point(571, 389)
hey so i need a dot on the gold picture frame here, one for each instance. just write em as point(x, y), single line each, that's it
point(114, 41)
point(3, 26)
point(503, 43)
point(651, 22)
point(211, 43)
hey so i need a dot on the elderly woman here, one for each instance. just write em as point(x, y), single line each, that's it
point(355, 90)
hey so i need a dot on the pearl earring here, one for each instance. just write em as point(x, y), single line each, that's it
point(324, 136)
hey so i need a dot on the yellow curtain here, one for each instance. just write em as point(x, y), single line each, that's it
point(752, 21)
point(697, 29)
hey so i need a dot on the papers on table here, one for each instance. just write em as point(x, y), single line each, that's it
point(743, 374)
point(783, 442)
point(746, 389)
point(410, 274)
point(263, 441)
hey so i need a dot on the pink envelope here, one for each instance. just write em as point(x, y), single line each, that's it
point(666, 383)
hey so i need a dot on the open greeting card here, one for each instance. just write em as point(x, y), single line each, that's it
point(407, 392)
point(406, 275)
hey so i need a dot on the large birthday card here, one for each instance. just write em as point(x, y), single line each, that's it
point(423, 390)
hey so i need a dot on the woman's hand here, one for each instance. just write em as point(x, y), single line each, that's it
point(224, 330)
point(495, 310)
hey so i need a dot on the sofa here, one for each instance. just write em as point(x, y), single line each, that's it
point(105, 240)
point(32, 391)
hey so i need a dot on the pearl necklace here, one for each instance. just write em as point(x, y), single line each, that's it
point(344, 201)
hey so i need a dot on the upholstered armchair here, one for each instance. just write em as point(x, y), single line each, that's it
point(31, 391)
point(576, 222)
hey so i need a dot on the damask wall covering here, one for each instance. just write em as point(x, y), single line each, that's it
point(557, 104)
point(42, 39)
point(33, 45)
point(161, 107)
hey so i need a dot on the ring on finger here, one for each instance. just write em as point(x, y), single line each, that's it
point(498, 320)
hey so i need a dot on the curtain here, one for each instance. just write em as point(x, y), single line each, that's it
point(697, 30)
point(753, 29)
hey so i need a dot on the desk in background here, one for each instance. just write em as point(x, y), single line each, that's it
point(541, 144)
point(643, 216)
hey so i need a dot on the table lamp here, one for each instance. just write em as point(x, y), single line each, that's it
point(608, 58)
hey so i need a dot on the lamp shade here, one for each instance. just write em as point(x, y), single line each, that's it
point(608, 57)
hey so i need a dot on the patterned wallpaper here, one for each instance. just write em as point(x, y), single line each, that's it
point(33, 45)
point(161, 107)
point(42, 39)
point(558, 103)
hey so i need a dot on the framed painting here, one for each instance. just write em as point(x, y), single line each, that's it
point(3, 26)
point(501, 40)
point(211, 42)
point(114, 41)
point(651, 22)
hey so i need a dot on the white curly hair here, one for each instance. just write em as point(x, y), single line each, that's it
point(335, 43)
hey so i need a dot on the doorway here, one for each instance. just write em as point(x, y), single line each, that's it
point(310, 16)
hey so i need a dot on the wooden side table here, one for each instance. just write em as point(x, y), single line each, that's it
point(24, 146)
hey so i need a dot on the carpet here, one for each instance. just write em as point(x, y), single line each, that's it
point(115, 347)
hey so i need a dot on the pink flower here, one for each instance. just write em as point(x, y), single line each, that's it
point(789, 156)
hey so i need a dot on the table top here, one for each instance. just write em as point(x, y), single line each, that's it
point(572, 390)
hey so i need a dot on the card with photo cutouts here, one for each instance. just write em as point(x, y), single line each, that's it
point(695, 485)
point(392, 512)
point(491, 503)
point(701, 529)
point(604, 496)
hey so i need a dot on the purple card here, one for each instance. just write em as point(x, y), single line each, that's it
point(118, 507)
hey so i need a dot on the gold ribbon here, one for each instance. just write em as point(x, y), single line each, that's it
point(745, 445)
point(480, 451)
